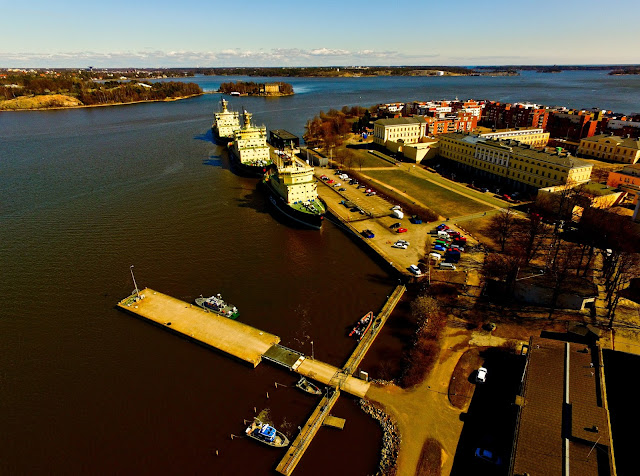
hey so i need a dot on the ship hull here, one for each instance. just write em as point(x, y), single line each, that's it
point(306, 219)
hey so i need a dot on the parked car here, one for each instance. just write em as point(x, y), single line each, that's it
point(402, 246)
point(361, 186)
point(396, 207)
point(369, 190)
point(481, 375)
point(330, 181)
point(439, 248)
point(403, 241)
point(488, 456)
point(401, 230)
point(337, 185)
point(458, 248)
point(415, 270)
point(323, 177)
point(448, 266)
point(435, 256)
point(368, 234)
point(395, 225)
point(442, 226)
point(371, 194)
point(415, 219)
point(342, 189)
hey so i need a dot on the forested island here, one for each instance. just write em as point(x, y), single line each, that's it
point(56, 90)
point(356, 71)
point(625, 70)
point(244, 88)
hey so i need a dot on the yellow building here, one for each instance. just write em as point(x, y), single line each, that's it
point(510, 161)
point(534, 137)
point(608, 147)
point(408, 129)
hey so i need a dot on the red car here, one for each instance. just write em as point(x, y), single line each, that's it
point(401, 230)
point(330, 181)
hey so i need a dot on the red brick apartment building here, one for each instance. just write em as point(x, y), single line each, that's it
point(507, 116)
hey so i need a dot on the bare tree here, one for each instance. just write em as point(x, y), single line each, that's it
point(502, 226)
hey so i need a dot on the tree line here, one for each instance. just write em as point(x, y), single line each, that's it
point(92, 92)
point(602, 246)
point(253, 89)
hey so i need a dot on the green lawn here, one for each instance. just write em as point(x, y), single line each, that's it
point(439, 199)
point(368, 159)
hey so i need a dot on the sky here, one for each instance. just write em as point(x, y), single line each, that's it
point(212, 33)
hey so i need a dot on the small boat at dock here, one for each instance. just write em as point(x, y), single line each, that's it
point(267, 434)
point(217, 305)
point(306, 386)
point(362, 326)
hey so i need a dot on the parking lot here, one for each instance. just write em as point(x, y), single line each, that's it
point(489, 423)
point(364, 211)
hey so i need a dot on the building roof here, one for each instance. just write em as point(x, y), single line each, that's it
point(597, 189)
point(545, 420)
point(620, 141)
point(282, 134)
point(519, 149)
point(399, 121)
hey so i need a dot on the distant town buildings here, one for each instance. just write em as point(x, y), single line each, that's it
point(505, 115)
point(611, 148)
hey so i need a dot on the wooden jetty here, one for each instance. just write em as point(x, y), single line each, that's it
point(251, 345)
point(309, 430)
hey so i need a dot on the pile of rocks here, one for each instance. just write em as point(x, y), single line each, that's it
point(390, 439)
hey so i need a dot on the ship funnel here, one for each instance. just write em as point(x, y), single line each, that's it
point(247, 119)
point(224, 105)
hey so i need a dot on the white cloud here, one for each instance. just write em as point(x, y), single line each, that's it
point(223, 58)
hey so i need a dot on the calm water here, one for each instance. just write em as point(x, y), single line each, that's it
point(85, 193)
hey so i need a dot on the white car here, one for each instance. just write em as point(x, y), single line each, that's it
point(415, 270)
point(403, 241)
point(435, 256)
point(402, 246)
point(481, 375)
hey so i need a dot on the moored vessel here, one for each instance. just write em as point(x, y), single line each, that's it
point(362, 326)
point(218, 305)
point(293, 190)
point(225, 122)
point(249, 152)
point(266, 434)
point(306, 386)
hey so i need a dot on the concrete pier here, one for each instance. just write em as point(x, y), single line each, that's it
point(234, 338)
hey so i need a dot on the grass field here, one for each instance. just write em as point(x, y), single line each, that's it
point(368, 159)
point(439, 199)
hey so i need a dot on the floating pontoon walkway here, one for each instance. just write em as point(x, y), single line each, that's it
point(235, 338)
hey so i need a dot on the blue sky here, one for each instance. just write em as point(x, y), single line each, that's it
point(211, 33)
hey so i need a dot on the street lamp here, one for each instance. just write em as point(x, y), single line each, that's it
point(312, 354)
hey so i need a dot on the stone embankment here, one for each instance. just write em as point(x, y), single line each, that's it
point(390, 439)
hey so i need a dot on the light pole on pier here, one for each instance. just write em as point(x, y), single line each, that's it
point(134, 281)
point(312, 355)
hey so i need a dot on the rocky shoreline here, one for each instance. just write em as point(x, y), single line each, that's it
point(391, 438)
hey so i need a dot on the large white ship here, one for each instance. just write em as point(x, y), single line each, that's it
point(249, 150)
point(225, 123)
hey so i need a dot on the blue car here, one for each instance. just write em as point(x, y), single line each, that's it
point(367, 234)
point(439, 248)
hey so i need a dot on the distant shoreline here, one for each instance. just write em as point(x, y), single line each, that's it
point(83, 106)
